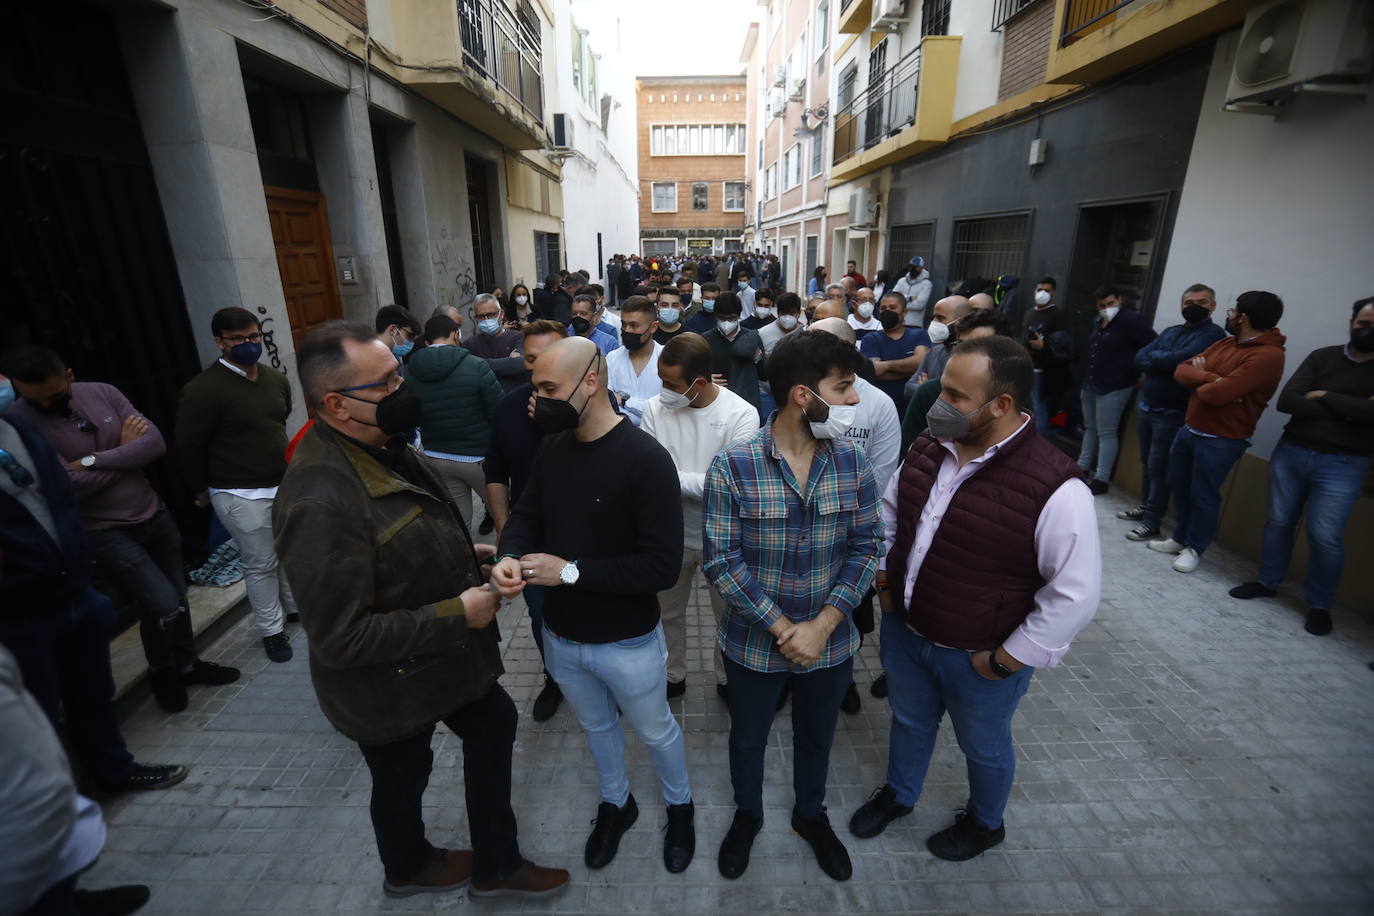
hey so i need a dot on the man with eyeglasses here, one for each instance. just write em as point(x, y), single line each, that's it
point(105, 444)
point(231, 444)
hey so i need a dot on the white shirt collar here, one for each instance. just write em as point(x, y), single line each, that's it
point(231, 367)
point(992, 449)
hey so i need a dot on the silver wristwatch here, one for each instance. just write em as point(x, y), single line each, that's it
point(568, 575)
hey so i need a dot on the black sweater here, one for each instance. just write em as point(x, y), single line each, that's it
point(1341, 421)
point(614, 506)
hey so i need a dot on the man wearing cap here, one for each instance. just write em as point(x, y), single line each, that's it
point(915, 286)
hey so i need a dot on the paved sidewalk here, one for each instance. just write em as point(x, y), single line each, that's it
point(1193, 753)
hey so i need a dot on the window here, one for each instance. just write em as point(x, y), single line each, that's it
point(546, 254)
point(848, 79)
point(989, 246)
point(665, 197)
point(734, 196)
point(734, 245)
point(935, 17)
point(906, 242)
point(696, 140)
point(658, 247)
point(812, 247)
point(817, 153)
point(822, 30)
point(584, 67)
point(701, 195)
point(791, 167)
point(771, 182)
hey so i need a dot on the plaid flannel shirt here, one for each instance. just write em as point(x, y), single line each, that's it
point(772, 549)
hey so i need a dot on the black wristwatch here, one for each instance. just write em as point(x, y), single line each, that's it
point(997, 667)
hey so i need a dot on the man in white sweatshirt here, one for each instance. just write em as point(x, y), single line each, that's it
point(693, 419)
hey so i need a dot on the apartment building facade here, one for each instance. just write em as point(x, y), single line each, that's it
point(691, 138)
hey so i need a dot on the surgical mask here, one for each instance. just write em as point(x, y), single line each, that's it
point(1195, 313)
point(938, 332)
point(708, 304)
point(669, 315)
point(1361, 340)
point(946, 422)
point(6, 395)
point(727, 327)
point(245, 354)
point(398, 412)
point(489, 325)
point(837, 420)
point(1108, 313)
point(1042, 297)
point(889, 320)
point(763, 311)
point(676, 400)
point(788, 322)
point(556, 415)
point(744, 284)
point(632, 340)
point(580, 325)
point(521, 300)
point(864, 310)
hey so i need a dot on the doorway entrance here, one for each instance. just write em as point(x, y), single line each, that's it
point(1115, 244)
point(483, 240)
point(305, 258)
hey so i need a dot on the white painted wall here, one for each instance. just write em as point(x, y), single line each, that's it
point(980, 56)
point(1285, 205)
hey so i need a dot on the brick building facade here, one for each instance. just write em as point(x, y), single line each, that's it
point(691, 139)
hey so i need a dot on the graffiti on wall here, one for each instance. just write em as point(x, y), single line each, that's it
point(453, 278)
point(269, 340)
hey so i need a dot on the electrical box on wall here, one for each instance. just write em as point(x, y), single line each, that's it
point(1038, 149)
point(348, 271)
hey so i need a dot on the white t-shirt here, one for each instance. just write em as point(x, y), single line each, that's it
point(620, 374)
point(878, 429)
point(771, 333)
point(858, 324)
point(694, 436)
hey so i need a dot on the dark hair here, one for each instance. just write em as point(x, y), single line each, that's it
point(641, 304)
point(691, 352)
point(587, 298)
point(321, 360)
point(742, 269)
point(552, 282)
point(388, 315)
point(710, 288)
point(983, 318)
point(1202, 288)
point(439, 327)
point(1047, 281)
point(1102, 292)
point(789, 303)
point(232, 318)
point(32, 364)
point(1360, 304)
point(729, 304)
point(805, 359)
point(644, 289)
point(571, 280)
point(598, 289)
point(585, 290)
point(684, 279)
point(544, 326)
point(1264, 309)
point(766, 293)
point(1010, 370)
point(819, 273)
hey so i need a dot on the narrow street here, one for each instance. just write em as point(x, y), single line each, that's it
point(1193, 753)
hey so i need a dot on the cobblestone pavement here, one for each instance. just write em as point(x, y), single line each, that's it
point(1193, 753)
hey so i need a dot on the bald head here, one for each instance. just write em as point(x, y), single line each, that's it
point(833, 325)
point(951, 308)
point(981, 301)
point(831, 308)
point(567, 362)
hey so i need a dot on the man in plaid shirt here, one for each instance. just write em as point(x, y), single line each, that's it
point(791, 541)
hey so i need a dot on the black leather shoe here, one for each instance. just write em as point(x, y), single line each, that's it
point(830, 852)
point(142, 777)
point(608, 827)
point(1318, 622)
point(723, 691)
point(851, 703)
point(965, 839)
point(677, 688)
point(875, 814)
point(168, 689)
point(112, 901)
point(680, 842)
point(278, 647)
point(546, 704)
point(739, 839)
point(878, 690)
point(203, 672)
point(1247, 590)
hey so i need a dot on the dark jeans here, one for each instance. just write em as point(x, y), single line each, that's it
point(1156, 430)
point(64, 657)
point(58, 900)
point(534, 600)
point(1198, 466)
point(145, 560)
point(400, 773)
point(816, 697)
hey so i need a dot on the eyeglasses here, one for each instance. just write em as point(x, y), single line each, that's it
point(242, 338)
point(485, 316)
point(19, 475)
point(391, 383)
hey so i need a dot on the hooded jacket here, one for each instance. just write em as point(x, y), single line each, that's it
point(1234, 385)
point(458, 392)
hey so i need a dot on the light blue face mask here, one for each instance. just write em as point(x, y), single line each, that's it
point(489, 325)
point(669, 315)
point(708, 304)
point(402, 349)
point(6, 395)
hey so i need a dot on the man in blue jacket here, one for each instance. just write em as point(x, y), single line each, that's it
point(1163, 403)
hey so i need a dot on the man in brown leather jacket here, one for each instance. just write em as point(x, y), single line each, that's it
point(392, 599)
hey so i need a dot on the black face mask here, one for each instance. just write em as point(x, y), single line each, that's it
point(1195, 313)
point(557, 415)
point(1362, 340)
point(397, 413)
point(889, 320)
point(631, 341)
point(1233, 326)
point(580, 325)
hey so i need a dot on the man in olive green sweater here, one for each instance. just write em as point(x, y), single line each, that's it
point(231, 445)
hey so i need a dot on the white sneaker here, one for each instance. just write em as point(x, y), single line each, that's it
point(1168, 545)
point(1187, 561)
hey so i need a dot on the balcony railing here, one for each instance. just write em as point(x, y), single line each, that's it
point(1004, 10)
point(500, 47)
point(881, 110)
point(1080, 14)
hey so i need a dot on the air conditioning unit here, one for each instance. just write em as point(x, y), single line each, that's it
point(562, 131)
point(1291, 46)
point(863, 208)
point(798, 86)
point(780, 76)
point(889, 15)
point(776, 103)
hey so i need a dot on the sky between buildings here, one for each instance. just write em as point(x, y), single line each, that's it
point(674, 37)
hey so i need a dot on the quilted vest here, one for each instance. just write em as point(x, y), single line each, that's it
point(979, 578)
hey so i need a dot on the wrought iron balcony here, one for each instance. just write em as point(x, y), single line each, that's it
point(883, 109)
point(1081, 14)
point(500, 46)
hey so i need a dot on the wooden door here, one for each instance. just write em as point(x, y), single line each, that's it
point(305, 258)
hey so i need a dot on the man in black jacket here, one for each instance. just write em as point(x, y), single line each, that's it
point(604, 552)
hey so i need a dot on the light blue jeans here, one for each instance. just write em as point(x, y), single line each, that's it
point(1102, 430)
point(632, 674)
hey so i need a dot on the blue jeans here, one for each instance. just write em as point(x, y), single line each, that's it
point(1102, 430)
point(816, 697)
point(1329, 485)
point(923, 681)
point(1198, 466)
point(1156, 430)
point(633, 674)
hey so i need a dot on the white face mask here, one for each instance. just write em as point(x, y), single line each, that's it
point(675, 400)
point(836, 422)
point(938, 332)
point(1108, 313)
point(865, 310)
point(1042, 297)
point(763, 311)
point(521, 300)
point(787, 322)
point(727, 327)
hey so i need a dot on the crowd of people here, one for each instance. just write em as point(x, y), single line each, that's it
point(807, 455)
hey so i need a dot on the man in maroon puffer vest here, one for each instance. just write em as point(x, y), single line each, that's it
point(992, 568)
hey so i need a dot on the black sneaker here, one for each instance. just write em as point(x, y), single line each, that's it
point(168, 689)
point(830, 852)
point(964, 839)
point(875, 814)
point(1132, 515)
point(608, 827)
point(1098, 487)
point(203, 672)
point(723, 691)
point(488, 525)
point(1250, 590)
point(546, 704)
point(112, 901)
point(878, 689)
point(733, 860)
point(278, 647)
point(1318, 622)
point(677, 688)
point(851, 703)
point(142, 777)
point(680, 841)
point(1142, 532)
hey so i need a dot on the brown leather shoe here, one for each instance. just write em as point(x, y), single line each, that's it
point(453, 872)
point(529, 880)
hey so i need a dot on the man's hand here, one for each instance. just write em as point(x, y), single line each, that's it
point(202, 499)
point(505, 576)
point(542, 569)
point(1037, 343)
point(804, 643)
point(922, 378)
point(75, 465)
point(720, 380)
point(485, 553)
point(479, 606)
point(1316, 394)
point(1198, 362)
point(979, 661)
point(133, 427)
